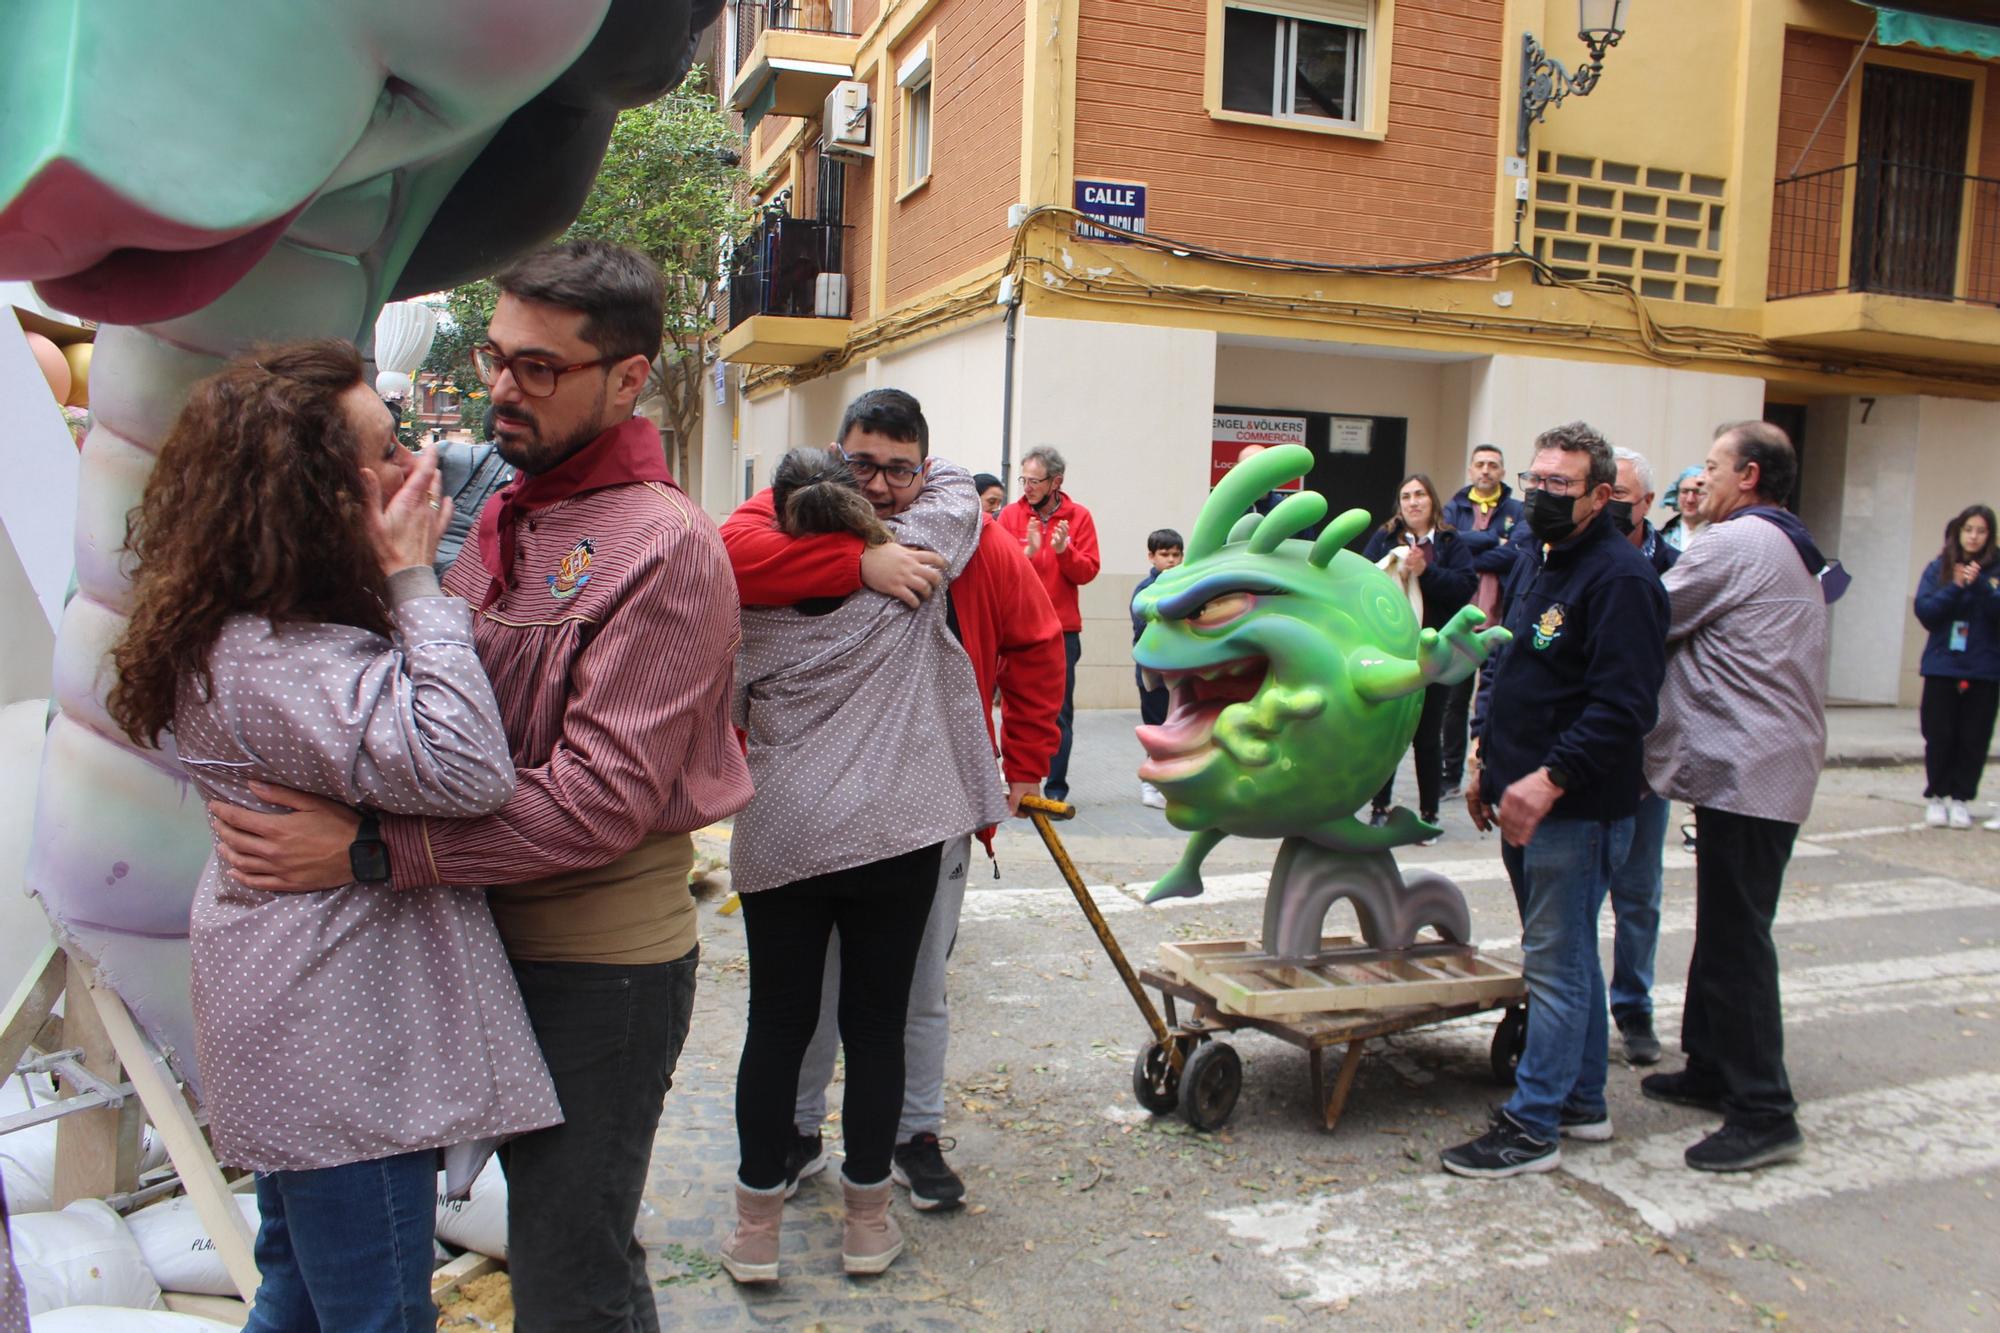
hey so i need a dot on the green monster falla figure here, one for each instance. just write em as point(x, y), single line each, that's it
point(1297, 672)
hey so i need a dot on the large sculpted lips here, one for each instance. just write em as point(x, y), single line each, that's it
point(1185, 742)
point(93, 252)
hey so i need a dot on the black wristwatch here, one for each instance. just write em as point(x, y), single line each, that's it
point(368, 855)
point(1558, 777)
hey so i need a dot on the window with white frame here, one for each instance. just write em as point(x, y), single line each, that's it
point(1302, 60)
point(913, 76)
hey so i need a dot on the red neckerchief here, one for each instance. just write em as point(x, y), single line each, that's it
point(630, 451)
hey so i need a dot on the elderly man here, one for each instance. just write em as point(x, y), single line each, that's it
point(1741, 738)
point(1571, 702)
point(1060, 538)
point(1636, 887)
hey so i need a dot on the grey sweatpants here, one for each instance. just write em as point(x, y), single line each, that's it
point(925, 1033)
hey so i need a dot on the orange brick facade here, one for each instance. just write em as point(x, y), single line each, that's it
point(1425, 192)
point(958, 220)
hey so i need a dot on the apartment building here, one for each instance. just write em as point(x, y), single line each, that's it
point(1316, 222)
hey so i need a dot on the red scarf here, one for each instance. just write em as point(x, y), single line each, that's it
point(628, 452)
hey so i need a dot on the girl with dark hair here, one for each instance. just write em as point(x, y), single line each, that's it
point(287, 629)
point(1958, 601)
point(868, 752)
point(1425, 554)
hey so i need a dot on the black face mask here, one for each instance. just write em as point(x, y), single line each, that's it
point(1620, 514)
point(1552, 518)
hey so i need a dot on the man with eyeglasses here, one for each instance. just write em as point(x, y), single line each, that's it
point(1060, 538)
point(1560, 754)
point(1742, 739)
point(1003, 619)
point(608, 624)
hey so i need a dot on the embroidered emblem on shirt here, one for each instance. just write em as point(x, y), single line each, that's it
point(1549, 628)
point(574, 571)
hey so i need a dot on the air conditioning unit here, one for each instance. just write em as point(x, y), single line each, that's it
point(844, 129)
point(830, 296)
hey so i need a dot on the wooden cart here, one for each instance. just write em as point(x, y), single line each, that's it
point(1343, 998)
point(1350, 994)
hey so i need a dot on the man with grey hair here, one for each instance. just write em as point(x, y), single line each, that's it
point(1637, 884)
point(1060, 538)
point(1741, 737)
point(1559, 752)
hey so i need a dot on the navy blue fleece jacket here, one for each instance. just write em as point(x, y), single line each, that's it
point(1579, 687)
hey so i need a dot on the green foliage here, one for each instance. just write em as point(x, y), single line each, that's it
point(669, 188)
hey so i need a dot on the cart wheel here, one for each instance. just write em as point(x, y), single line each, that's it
point(1155, 1085)
point(1510, 1038)
point(1210, 1084)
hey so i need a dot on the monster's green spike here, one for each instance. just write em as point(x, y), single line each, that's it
point(1246, 525)
point(1336, 535)
point(1243, 486)
point(1293, 515)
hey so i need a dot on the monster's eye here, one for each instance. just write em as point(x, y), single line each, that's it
point(1219, 611)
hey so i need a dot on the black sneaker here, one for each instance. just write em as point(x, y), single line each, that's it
point(1641, 1046)
point(1377, 817)
point(1586, 1126)
point(1742, 1148)
point(919, 1167)
point(806, 1158)
point(1504, 1150)
point(1683, 1088)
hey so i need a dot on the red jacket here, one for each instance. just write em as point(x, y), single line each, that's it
point(1061, 574)
point(1004, 620)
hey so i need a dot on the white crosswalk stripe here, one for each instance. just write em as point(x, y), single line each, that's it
point(1926, 1131)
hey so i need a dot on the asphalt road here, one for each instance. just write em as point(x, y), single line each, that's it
point(1087, 1213)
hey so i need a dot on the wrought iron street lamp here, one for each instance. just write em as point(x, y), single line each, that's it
point(1545, 81)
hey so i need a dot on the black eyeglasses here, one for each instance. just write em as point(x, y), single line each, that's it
point(900, 476)
point(1555, 484)
point(532, 375)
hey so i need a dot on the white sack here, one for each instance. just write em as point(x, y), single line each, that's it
point(28, 1156)
point(83, 1255)
point(479, 1222)
point(110, 1319)
point(178, 1249)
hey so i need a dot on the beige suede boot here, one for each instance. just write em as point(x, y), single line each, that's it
point(751, 1252)
point(872, 1239)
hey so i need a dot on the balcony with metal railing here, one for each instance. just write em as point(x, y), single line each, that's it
point(1886, 257)
point(788, 294)
point(789, 54)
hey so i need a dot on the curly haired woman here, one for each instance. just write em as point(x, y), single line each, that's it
point(287, 629)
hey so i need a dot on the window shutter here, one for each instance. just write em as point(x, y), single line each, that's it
point(1353, 13)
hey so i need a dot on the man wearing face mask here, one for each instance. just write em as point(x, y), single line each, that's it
point(1560, 746)
point(1636, 887)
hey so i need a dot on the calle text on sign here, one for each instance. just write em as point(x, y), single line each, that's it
point(1114, 203)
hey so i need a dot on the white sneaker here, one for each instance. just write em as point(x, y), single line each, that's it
point(1960, 816)
point(1150, 795)
point(1935, 815)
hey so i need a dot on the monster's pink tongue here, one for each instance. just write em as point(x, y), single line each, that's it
point(1186, 740)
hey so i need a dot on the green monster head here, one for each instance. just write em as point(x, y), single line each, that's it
point(1275, 651)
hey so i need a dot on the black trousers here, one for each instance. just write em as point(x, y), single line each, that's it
point(1430, 779)
point(1457, 718)
point(880, 910)
point(611, 1035)
point(1153, 704)
point(1056, 788)
point(1957, 721)
point(1732, 1027)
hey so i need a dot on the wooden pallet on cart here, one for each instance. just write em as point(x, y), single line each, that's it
point(1348, 975)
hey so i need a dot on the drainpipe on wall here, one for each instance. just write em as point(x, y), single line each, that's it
point(1010, 296)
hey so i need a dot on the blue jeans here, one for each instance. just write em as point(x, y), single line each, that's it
point(1635, 906)
point(347, 1249)
point(1560, 879)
